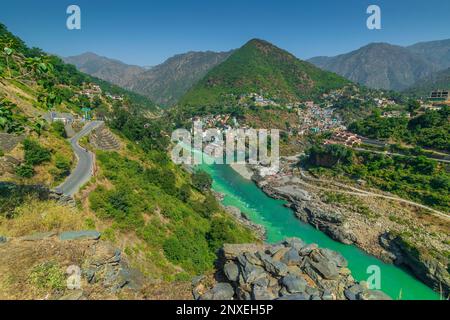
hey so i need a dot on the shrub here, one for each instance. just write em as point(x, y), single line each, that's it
point(35, 154)
point(58, 127)
point(201, 180)
point(25, 171)
point(48, 276)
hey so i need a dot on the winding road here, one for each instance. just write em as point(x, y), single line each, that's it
point(85, 164)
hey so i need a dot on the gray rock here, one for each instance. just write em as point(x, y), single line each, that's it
point(231, 271)
point(294, 284)
point(221, 291)
point(3, 239)
point(373, 295)
point(73, 295)
point(291, 258)
point(251, 273)
point(298, 296)
point(295, 243)
point(306, 250)
point(197, 280)
point(260, 290)
point(231, 251)
point(89, 274)
point(334, 256)
point(275, 267)
point(353, 292)
point(327, 295)
point(325, 267)
point(80, 235)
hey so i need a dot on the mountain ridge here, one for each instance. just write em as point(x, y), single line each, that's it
point(164, 83)
point(386, 66)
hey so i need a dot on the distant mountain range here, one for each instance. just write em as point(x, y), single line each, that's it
point(391, 67)
point(164, 84)
point(107, 69)
point(260, 67)
point(377, 65)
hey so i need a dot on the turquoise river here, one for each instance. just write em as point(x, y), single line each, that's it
point(280, 222)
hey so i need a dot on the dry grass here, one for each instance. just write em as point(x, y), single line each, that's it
point(42, 216)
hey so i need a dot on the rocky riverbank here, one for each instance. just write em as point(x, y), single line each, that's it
point(391, 232)
point(289, 270)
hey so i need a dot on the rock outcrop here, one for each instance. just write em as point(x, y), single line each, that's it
point(95, 269)
point(426, 268)
point(290, 270)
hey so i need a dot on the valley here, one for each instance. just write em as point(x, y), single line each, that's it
point(86, 179)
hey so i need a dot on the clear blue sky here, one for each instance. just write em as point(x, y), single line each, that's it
point(147, 32)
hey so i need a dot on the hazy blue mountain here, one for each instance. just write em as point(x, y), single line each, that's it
point(104, 68)
point(379, 66)
point(164, 83)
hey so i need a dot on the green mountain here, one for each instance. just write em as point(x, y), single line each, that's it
point(260, 67)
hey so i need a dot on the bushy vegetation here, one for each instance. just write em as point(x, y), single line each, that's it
point(431, 129)
point(417, 178)
point(13, 195)
point(155, 203)
point(35, 155)
point(48, 276)
point(58, 128)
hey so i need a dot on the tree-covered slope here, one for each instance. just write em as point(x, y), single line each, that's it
point(260, 67)
point(166, 220)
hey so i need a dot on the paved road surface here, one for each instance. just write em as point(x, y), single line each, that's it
point(85, 165)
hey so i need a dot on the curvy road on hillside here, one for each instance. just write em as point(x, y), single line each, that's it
point(85, 165)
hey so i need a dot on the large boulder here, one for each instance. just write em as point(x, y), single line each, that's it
point(231, 271)
point(324, 266)
point(221, 291)
point(273, 266)
point(294, 284)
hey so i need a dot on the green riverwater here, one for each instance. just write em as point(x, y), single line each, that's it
point(280, 222)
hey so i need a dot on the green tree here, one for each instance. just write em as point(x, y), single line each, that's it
point(201, 180)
